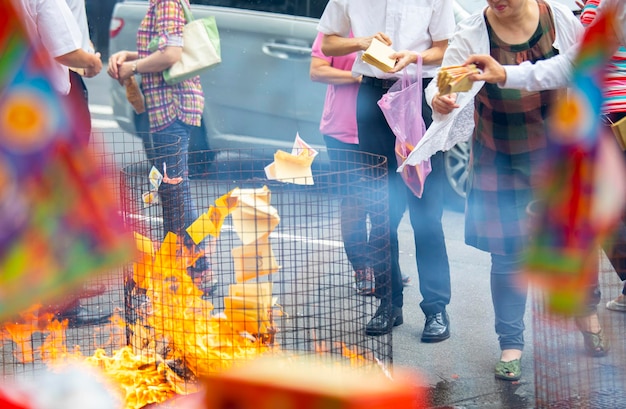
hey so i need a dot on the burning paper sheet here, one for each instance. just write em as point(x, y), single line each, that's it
point(254, 260)
point(253, 217)
point(294, 167)
point(210, 223)
point(152, 196)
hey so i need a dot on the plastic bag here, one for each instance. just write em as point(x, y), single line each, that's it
point(402, 108)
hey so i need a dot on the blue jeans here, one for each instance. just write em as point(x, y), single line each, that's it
point(171, 148)
point(426, 212)
point(508, 295)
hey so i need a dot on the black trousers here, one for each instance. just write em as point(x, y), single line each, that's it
point(426, 212)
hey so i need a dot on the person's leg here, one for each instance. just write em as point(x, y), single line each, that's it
point(431, 255)
point(353, 217)
point(615, 247)
point(508, 294)
point(588, 322)
point(385, 211)
point(171, 148)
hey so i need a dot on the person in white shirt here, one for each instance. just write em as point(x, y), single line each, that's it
point(411, 27)
point(52, 24)
point(506, 132)
point(553, 73)
point(79, 96)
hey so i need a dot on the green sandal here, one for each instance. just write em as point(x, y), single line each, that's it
point(509, 371)
point(596, 344)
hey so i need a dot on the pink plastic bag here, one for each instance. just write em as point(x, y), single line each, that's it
point(402, 108)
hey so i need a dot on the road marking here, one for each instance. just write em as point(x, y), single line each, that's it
point(103, 123)
point(273, 235)
point(100, 109)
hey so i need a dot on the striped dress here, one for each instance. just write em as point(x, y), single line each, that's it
point(615, 79)
point(507, 146)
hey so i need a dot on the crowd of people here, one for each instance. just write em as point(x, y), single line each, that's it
point(510, 98)
point(524, 49)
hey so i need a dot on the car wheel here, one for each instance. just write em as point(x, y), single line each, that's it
point(457, 173)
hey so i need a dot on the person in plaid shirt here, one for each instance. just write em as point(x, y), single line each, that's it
point(507, 145)
point(173, 111)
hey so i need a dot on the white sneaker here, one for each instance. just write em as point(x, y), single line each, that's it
point(618, 304)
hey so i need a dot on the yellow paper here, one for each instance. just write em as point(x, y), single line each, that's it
point(144, 244)
point(226, 203)
point(247, 320)
point(455, 78)
point(293, 168)
point(254, 260)
point(377, 54)
point(261, 194)
point(209, 223)
point(254, 218)
point(259, 290)
point(247, 304)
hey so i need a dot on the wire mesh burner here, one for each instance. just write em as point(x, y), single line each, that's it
point(279, 281)
point(276, 279)
point(565, 375)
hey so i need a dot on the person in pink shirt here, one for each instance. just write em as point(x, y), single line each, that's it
point(338, 125)
point(339, 128)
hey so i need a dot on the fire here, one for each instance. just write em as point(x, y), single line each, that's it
point(177, 338)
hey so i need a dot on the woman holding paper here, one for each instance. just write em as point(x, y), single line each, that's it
point(173, 111)
point(508, 137)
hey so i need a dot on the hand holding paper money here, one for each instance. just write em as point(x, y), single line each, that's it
point(455, 78)
point(378, 54)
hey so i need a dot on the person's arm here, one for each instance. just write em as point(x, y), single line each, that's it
point(552, 73)
point(334, 45)
point(432, 56)
point(82, 59)
point(155, 62)
point(322, 71)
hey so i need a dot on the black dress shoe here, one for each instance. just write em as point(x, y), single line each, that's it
point(384, 320)
point(437, 327)
point(81, 316)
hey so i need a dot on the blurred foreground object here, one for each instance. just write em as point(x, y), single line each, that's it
point(302, 383)
point(59, 221)
point(582, 193)
point(73, 386)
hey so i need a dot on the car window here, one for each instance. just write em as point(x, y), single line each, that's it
point(304, 8)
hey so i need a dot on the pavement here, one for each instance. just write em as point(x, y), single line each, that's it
point(459, 371)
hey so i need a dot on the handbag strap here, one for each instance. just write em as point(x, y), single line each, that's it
point(187, 11)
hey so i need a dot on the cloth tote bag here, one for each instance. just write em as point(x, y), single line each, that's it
point(402, 108)
point(201, 48)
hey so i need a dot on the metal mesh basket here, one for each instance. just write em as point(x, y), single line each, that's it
point(279, 281)
point(566, 376)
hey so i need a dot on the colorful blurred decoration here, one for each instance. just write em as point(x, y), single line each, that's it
point(582, 193)
point(297, 382)
point(59, 222)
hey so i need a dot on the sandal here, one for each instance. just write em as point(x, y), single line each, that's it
point(596, 344)
point(509, 371)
